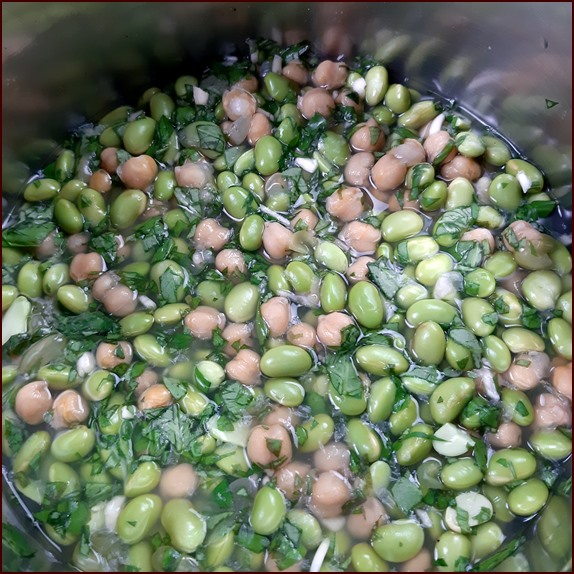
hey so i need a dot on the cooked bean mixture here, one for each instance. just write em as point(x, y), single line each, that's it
point(289, 316)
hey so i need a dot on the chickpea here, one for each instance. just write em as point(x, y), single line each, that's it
point(330, 326)
point(551, 412)
point(526, 233)
point(360, 525)
point(346, 204)
point(292, 479)
point(244, 367)
point(109, 159)
point(368, 137)
point(407, 202)
point(203, 320)
point(231, 263)
point(507, 435)
point(237, 335)
point(272, 566)
point(562, 380)
point(358, 270)
point(461, 166)
point(330, 75)
point(249, 83)
point(330, 491)
point(109, 356)
point(480, 234)
point(120, 301)
point(260, 126)
point(276, 240)
point(86, 266)
point(410, 152)
point(334, 456)
point(345, 98)
point(296, 72)
point(193, 174)
point(78, 242)
point(210, 235)
point(103, 284)
point(388, 173)
point(138, 172)
point(422, 562)
point(145, 381)
point(435, 144)
point(358, 168)
point(48, 246)
point(70, 409)
point(155, 397)
point(361, 237)
point(513, 282)
point(33, 401)
point(276, 313)
point(281, 416)
point(316, 101)
point(528, 370)
point(178, 481)
point(307, 217)
point(101, 181)
point(302, 335)
point(269, 446)
point(238, 103)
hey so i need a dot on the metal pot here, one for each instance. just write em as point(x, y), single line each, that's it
point(509, 64)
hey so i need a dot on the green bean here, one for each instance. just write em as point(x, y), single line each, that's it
point(460, 193)
point(136, 324)
point(510, 464)
point(497, 152)
point(143, 480)
point(9, 294)
point(268, 153)
point(161, 105)
point(398, 99)
point(71, 189)
point(498, 497)
point(59, 377)
point(54, 277)
point(469, 144)
point(418, 115)
point(377, 84)
point(428, 271)
point(268, 512)
point(219, 548)
point(398, 541)
point(311, 533)
point(184, 85)
point(127, 207)
point(431, 310)
point(92, 206)
point(151, 350)
point(500, 264)
point(520, 168)
point(561, 259)
point(99, 385)
point(186, 527)
point(490, 218)
point(428, 343)
point(497, 353)
point(520, 340)
point(416, 249)
point(193, 403)
point(363, 440)
point(139, 556)
point(402, 419)
point(486, 539)
point(366, 304)
point(554, 528)
point(171, 314)
point(331, 256)
point(285, 361)
point(541, 289)
point(170, 280)
point(33, 449)
point(434, 196)
point(251, 233)
point(479, 283)
point(414, 448)
point(277, 86)
point(381, 400)
point(564, 305)
point(138, 517)
point(300, 276)
point(164, 185)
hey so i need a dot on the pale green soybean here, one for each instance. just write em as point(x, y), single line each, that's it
point(560, 333)
point(508, 465)
point(398, 98)
point(334, 148)
point(497, 353)
point(469, 144)
point(138, 135)
point(505, 192)
point(381, 360)
point(29, 280)
point(285, 361)
point(333, 293)
point(99, 385)
point(161, 105)
point(268, 153)
point(244, 163)
point(150, 349)
point(416, 249)
point(381, 400)
point(366, 304)
point(277, 86)
point(379, 476)
point(34, 448)
point(541, 289)
point(285, 391)
point(186, 527)
point(479, 283)
point(331, 256)
point(428, 474)
point(59, 377)
point(561, 259)
point(383, 115)
point(184, 85)
point(127, 207)
point(458, 356)
point(498, 496)
point(521, 340)
point(170, 279)
point(116, 116)
point(311, 533)
point(277, 280)
point(278, 201)
point(139, 556)
point(110, 138)
point(73, 298)
point(142, 480)
point(255, 184)
point(517, 407)
point(551, 444)
point(287, 132)
point(193, 403)
point(164, 185)
point(377, 84)
point(500, 264)
point(428, 271)
point(68, 216)
point(251, 233)
point(413, 447)
point(554, 528)
point(564, 305)
point(528, 498)
point(65, 165)
point(461, 475)
point(56, 276)
point(71, 189)
point(460, 193)
point(402, 419)
point(9, 294)
point(227, 179)
point(41, 189)
point(534, 179)
point(208, 375)
point(419, 176)
point(136, 324)
point(398, 541)
point(112, 420)
point(418, 115)
point(300, 276)
point(318, 431)
point(268, 511)
point(490, 218)
point(9, 374)
point(431, 310)
point(365, 559)
point(401, 225)
point(479, 316)
point(510, 308)
point(428, 343)
point(74, 444)
point(240, 304)
point(450, 397)
point(363, 440)
point(138, 517)
point(219, 547)
point(450, 548)
point(497, 152)
point(171, 314)
point(434, 196)
point(238, 202)
point(212, 294)
point(410, 294)
point(486, 539)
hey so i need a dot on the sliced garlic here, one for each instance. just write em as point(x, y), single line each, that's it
point(454, 441)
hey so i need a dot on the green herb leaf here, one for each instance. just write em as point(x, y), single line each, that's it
point(246, 538)
point(87, 324)
point(16, 541)
point(222, 496)
point(406, 494)
point(468, 340)
point(521, 409)
point(489, 564)
point(486, 413)
point(480, 454)
point(178, 389)
point(386, 277)
point(34, 225)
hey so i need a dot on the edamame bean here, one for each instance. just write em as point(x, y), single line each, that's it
point(212, 294)
point(68, 216)
point(59, 377)
point(429, 343)
point(479, 283)
point(413, 447)
point(497, 152)
point(504, 192)
point(461, 475)
point(381, 360)
point(450, 548)
point(138, 517)
point(418, 115)
point(401, 225)
point(56, 276)
point(434, 196)
point(170, 279)
point(135, 324)
point(9, 294)
point(560, 333)
point(450, 397)
point(149, 349)
point(381, 400)
point(431, 310)
point(398, 541)
point(501, 264)
point(428, 271)
point(33, 449)
point(457, 356)
point(161, 105)
point(277, 86)
point(564, 304)
point(186, 527)
point(127, 207)
point(240, 304)
point(238, 202)
point(73, 298)
point(74, 444)
point(171, 314)
point(398, 98)
point(29, 281)
point(479, 316)
point(251, 233)
point(219, 547)
point(138, 135)
point(363, 440)
point(268, 511)
point(286, 392)
point(366, 304)
point(333, 293)
point(416, 249)
point(508, 465)
point(528, 498)
point(469, 144)
point(497, 353)
point(460, 193)
point(403, 418)
point(365, 559)
point(517, 406)
point(331, 256)
point(542, 289)
point(554, 528)
point(285, 361)
point(92, 206)
point(521, 340)
point(142, 480)
point(164, 185)
point(244, 163)
point(300, 276)
point(99, 385)
point(139, 556)
point(531, 179)
point(41, 189)
point(486, 539)
point(551, 444)
point(268, 153)
point(318, 431)
point(311, 533)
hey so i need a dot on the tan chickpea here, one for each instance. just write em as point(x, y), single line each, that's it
point(277, 240)
point(203, 320)
point(281, 416)
point(276, 313)
point(330, 491)
point(528, 370)
point(410, 152)
point(237, 335)
point(210, 235)
point(422, 562)
point(360, 525)
point(48, 246)
point(155, 397)
point(260, 126)
point(244, 367)
point(358, 168)
point(70, 409)
point(269, 446)
point(193, 174)
point(272, 566)
point(238, 103)
point(120, 301)
point(330, 326)
point(361, 237)
point(513, 281)
point(330, 75)
point(507, 435)
point(333, 456)
point(551, 412)
point(345, 98)
point(109, 159)
point(346, 204)
point(145, 381)
point(124, 249)
point(358, 270)
point(307, 217)
point(231, 263)
point(178, 481)
point(249, 83)
point(109, 356)
point(435, 144)
point(138, 172)
point(296, 72)
point(292, 479)
point(480, 234)
point(78, 242)
point(368, 137)
point(86, 266)
point(302, 335)
point(33, 401)
point(526, 233)
point(316, 101)
point(562, 380)
point(103, 284)
point(101, 181)
point(406, 202)
point(461, 166)
point(388, 173)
